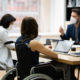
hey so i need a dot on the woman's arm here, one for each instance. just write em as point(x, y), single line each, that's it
point(4, 38)
point(37, 46)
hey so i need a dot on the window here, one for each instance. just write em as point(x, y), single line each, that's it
point(20, 9)
point(23, 5)
point(0, 6)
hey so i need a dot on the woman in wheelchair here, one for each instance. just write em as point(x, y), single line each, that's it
point(28, 58)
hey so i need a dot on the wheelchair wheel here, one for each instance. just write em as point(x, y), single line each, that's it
point(38, 77)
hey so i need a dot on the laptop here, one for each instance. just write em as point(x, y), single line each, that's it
point(63, 46)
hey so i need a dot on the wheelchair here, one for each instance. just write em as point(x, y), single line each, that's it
point(37, 76)
point(44, 71)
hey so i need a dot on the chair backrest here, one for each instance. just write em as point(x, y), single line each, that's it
point(38, 77)
point(48, 42)
point(24, 54)
point(25, 59)
point(8, 73)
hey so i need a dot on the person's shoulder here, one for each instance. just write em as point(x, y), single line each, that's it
point(35, 45)
point(18, 39)
point(2, 29)
point(34, 42)
point(70, 26)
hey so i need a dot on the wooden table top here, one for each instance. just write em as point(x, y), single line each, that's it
point(65, 58)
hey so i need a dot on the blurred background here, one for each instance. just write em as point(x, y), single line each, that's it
point(50, 14)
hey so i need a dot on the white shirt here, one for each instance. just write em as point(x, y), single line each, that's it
point(5, 55)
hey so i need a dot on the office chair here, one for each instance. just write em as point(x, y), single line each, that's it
point(48, 41)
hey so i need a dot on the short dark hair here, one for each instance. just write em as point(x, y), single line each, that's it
point(77, 10)
point(6, 20)
point(29, 27)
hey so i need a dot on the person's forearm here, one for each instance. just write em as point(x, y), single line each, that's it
point(49, 53)
point(11, 46)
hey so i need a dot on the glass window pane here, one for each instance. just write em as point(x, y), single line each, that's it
point(0, 5)
point(22, 8)
point(23, 5)
point(17, 24)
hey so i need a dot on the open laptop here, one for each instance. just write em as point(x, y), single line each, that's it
point(63, 46)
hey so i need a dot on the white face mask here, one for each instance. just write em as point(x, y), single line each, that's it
point(10, 27)
point(73, 20)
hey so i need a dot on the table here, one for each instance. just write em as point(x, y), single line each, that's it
point(67, 61)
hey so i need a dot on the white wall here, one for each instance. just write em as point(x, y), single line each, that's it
point(44, 16)
point(58, 11)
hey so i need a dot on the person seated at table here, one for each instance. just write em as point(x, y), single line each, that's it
point(73, 29)
point(29, 31)
point(6, 61)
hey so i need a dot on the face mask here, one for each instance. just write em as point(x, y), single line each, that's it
point(10, 27)
point(73, 20)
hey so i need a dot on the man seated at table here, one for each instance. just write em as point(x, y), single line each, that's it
point(73, 29)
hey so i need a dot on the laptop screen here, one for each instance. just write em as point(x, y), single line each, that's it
point(63, 46)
